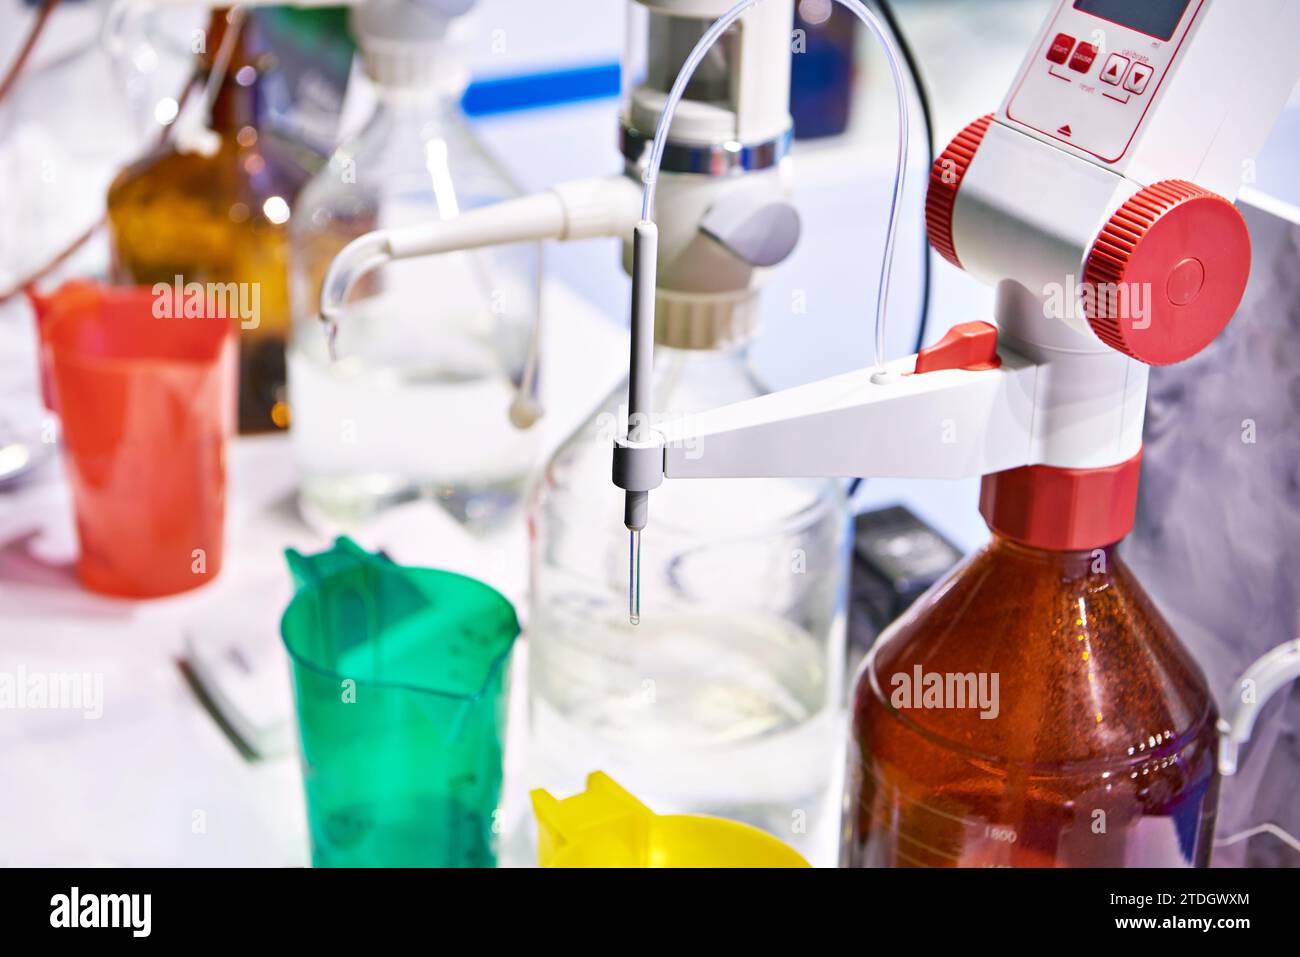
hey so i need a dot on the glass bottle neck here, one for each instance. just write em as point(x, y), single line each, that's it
point(235, 105)
point(696, 380)
point(403, 116)
point(1070, 564)
point(434, 103)
point(429, 101)
point(735, 353)
point(703, 365)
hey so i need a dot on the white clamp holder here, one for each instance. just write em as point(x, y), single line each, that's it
point(639, 466)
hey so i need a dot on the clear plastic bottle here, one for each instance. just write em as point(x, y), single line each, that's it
point(1095, 748)
point(430, 350)
point(724, 699)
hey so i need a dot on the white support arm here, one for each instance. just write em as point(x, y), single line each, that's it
point(945, 424)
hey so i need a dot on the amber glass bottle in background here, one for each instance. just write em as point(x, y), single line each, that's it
point(220, 215)
point(1094, 747)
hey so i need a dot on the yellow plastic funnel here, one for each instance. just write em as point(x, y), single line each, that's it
point(605, 826)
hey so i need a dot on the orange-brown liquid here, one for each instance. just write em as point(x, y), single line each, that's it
point(1098, 748)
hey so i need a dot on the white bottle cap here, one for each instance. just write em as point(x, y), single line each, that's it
point(411, 43)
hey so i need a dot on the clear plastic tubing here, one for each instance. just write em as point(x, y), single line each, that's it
point(892, 54)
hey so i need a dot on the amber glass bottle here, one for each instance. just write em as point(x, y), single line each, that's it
point(220, 216)
point(1032, 710)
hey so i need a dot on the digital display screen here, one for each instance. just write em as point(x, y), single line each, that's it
point(1155, 18)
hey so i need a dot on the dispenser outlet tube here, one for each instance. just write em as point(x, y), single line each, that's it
point(518, 220)
point(645, 256)
point(581, 209)
point(645, 253)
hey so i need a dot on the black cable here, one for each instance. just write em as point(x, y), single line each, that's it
point(886, 12)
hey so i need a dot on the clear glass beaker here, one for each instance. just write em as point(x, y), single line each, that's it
point(736, 668)
point(400, 679)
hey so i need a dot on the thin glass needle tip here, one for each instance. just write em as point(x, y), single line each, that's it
point(634, 577)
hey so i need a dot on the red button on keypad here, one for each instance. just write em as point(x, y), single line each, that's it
point(1060, 49)
point(1084, 54)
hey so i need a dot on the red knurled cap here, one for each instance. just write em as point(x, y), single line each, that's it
point(1062, 509)
point(945, 178)
point(1167, 272)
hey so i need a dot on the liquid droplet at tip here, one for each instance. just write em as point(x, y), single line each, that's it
point(331, 339)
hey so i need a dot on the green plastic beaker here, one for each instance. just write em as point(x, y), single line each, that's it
point(400, 680)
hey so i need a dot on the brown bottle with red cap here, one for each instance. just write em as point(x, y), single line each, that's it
point(1033, 709)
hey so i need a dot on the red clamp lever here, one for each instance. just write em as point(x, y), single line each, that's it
point(968, 345)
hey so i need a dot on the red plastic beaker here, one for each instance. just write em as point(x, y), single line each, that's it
point(147, 405)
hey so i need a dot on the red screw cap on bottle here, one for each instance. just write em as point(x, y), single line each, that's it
point(1062, 509)
point(1167, 272)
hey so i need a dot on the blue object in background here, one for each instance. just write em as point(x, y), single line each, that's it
point(821, 69)
point(533, 90)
